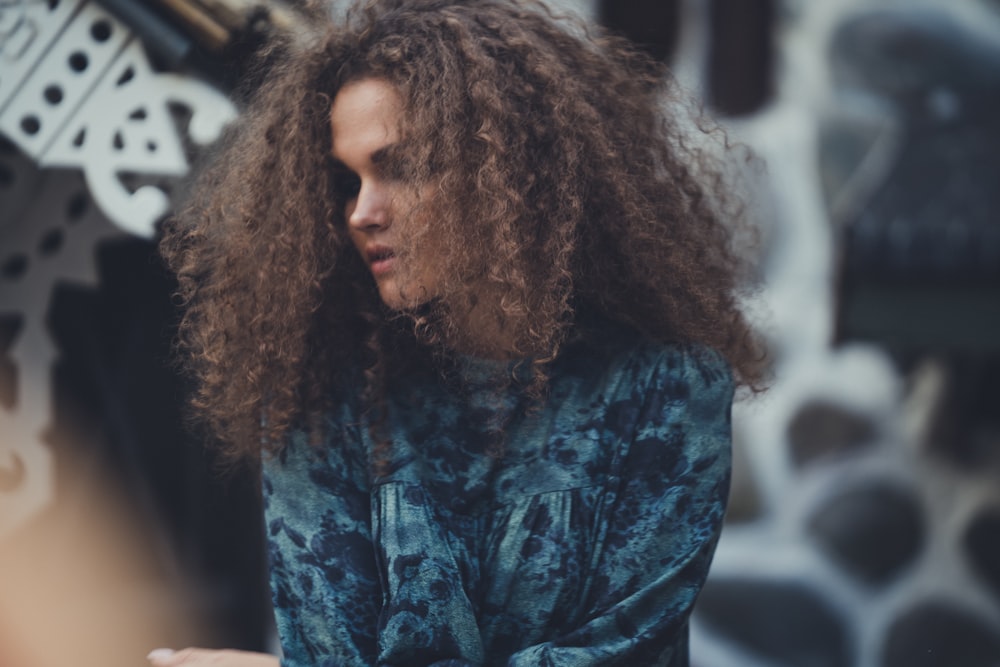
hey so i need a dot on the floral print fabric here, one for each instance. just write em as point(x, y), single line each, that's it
point(580, 536)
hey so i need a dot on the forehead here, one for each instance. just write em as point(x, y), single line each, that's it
point(365, 115)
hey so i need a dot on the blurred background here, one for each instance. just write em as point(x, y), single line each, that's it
point(864, 526)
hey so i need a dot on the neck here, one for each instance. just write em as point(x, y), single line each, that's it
point(484, 334)
point(487, 338)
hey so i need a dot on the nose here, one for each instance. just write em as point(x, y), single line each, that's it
point(370, 209)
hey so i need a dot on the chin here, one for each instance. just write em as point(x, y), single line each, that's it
point(395, 298)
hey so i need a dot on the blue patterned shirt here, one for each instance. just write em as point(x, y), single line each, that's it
point(581, 537)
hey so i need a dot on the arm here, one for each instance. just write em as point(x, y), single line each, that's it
point(662, 522)
point(662, 526)
point(196, 657)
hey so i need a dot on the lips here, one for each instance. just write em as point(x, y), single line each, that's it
point(380, 258)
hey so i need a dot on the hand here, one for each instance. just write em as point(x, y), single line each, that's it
point(200, 657)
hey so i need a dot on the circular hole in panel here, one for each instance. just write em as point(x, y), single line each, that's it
point(78, 61)
point(14, 267)
point(50, 243)
point(53, 4)
point(151, 146)
point(126, 76)
point(31, 125)
point(53, 94)
point(76, 207)
point(100, 30)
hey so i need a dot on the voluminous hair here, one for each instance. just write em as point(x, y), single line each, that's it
point(566, 181)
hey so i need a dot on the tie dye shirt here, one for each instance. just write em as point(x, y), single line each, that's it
point(580, 537)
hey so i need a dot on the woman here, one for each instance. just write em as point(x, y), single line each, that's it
point(461, 277)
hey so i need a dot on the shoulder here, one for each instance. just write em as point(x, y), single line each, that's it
point(653, 392)
point(696, 365)
point(679, 443)
point(627, 364)
point(695, 375)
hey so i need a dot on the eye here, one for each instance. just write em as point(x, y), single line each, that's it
point(393, 164)
point(346, 185)
point(394, 170)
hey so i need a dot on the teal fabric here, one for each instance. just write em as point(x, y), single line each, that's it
point(578, 533)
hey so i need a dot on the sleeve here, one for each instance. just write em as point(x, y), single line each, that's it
point(663, 522)
point(324, 587)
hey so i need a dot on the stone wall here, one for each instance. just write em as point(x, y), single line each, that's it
point(864, 528)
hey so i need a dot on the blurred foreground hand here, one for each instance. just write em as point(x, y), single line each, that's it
point(83, 585)
point(198, 657)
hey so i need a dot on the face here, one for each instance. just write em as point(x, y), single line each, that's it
point(365, 120)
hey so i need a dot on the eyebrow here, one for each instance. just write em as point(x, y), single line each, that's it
point(378, 156)
point(383, 154)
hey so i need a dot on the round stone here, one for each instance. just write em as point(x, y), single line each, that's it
point(873, 532)
point(784, 623)
point(982, 545)
point(940, 634)
point(821, 428)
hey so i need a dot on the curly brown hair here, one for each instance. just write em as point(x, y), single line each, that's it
point(565, 182)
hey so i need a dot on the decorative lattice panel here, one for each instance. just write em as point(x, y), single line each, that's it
point(97, 136)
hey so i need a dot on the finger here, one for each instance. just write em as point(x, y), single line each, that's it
point(159, 655)
point(165, 657)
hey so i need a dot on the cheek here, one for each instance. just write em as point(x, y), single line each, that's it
point(349, 208)
point(357, 240)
